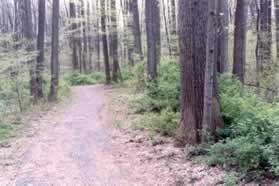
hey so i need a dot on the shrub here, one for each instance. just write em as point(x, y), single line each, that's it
point(164, 93)
point(249, 141)
point(250, 134)
point(84, 79)
point(164, 123)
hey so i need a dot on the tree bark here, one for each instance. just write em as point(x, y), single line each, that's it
point(276, 4)
point(223, 37)
point(192, 27)
point(136, 28)
point(54, 52)
point(105, 42)
point(74, 41)
point(239, 57)
point(152, 16)
point(116, 75)
point(40, 47)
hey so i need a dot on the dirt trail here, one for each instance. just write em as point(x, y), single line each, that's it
point(75, 145)
point(74, 148)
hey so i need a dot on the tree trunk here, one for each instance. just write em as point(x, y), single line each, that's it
point(74, 41)
point(239, 57)
point(136, 28)
point(40, 47)
point(152, 16)
point(114, 43)
point(27, 28)
point(211, 109)
point(192, 29)
point(84, 37)
point(223, 38)
point(54, 52)
point(105, 42)
point(166, 28)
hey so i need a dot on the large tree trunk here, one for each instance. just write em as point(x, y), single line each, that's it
point(105, 42)
point(239, 57)
point(211, 110)
point(40, 47)
point(54, 52)
point(192, 27)
point(152, 16)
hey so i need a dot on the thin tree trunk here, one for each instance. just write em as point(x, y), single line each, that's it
point(105, 42)
point(40, 47)
point(114, 43)
point(74, 41)
point(152, 16)
point(223, 37)
point(240, 35)
point(53, 95)
point(166, 27)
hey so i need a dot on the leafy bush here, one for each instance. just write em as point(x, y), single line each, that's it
point(249, 141)
point(164, 123)
point(251, 133)
point(165, 92)
point(85, 79)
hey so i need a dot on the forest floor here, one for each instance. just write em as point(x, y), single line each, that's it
point(78, 143)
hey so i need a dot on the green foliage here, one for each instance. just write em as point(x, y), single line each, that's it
point(164, 123)
point(231, 180)
point(164, 93)
point(85, 79)
point(249, 141)
point(250, 135)
point(5, 132)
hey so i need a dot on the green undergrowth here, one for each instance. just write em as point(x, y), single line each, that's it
point(249, 142)
point(85, 79)
point(16, 106)
point(157, 103)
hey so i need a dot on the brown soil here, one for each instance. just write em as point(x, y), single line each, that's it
point(74, 144)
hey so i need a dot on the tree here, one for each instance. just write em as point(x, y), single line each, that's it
point(152, 16)
point(192, 21)
point(276, 4)
point(239, 54)
point(212, 118)
point(114, 43)
point(223, 38)
point(40, 47)
point(54, 52)
point(264, 40)
point(27, 29)
point(194, 53)
point(105, 42)
point(136, 28)
point(74, 42)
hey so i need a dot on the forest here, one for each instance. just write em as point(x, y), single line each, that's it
point(199, 78)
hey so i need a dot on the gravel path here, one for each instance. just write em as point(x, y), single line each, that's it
point(75, 148)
